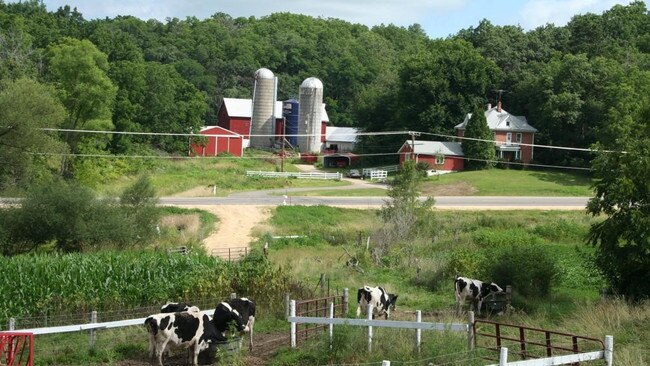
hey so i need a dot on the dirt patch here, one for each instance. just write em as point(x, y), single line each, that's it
point(200, 191)
point(456, 189)
point(235, 227)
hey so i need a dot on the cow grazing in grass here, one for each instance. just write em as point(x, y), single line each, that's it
point(475, 291)
point(381, 301)
point(246, 309)
point(191, 330)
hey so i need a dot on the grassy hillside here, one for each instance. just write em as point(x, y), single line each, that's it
point(465, 243)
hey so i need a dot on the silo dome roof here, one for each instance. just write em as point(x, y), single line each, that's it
point(264, 73)
point(312, 83)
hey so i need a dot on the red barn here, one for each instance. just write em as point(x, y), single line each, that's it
point(224, 141)
point(441, 156)
point(235, 115)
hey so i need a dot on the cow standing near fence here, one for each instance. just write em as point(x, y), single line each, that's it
point(475, 291)
point(239, 312)
point(191, 330)
point(381, 301)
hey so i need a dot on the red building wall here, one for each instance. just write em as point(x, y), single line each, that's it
point(526, 138)
point(455, 163)
point(232, 144)
point(239, 125)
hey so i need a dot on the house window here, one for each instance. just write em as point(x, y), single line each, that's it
point(507, 123)
point(508, 137)
point(518, 137)
point(518, 155)
point(440, 159)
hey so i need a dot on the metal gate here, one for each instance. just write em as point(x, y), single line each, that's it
point(16, 349)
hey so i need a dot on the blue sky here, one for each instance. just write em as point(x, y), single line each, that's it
point(439, 18)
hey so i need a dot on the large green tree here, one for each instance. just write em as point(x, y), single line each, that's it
point(27, 106)
point(622, 240)
point(79, 70)
point(478, 148)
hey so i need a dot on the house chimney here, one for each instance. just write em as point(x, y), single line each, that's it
point(489, 106)
point(499, 107)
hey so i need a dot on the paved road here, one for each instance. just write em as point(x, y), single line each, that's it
point(443, 202)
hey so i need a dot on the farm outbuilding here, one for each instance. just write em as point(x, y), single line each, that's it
point(235, 114)
point(441, 156)
point(225, 141)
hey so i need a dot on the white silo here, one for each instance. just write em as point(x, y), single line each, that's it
point(310, 118)
point(262, 113)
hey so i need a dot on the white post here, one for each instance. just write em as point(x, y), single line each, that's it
point(292, 312)
point(369, 317)
point(503, 357)
point(346, 302)
point(287, 304)
point(93, 332)
point(470, 330)
point(12, 324)
point(331, 325)
point(418, 332)
point(233, 295)
point(609, 350)
point(385, 363)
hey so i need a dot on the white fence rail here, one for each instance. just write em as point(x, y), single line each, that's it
point(388, 168)
point(378, 174)
point(417, 325)
point(268, 174)
point(607, 354)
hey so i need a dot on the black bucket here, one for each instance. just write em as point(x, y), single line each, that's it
point(229, 348)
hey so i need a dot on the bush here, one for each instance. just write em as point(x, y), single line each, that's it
point(530, 269)
point(491, 238)
point(465, 262)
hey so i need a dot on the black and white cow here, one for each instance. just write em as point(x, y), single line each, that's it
point(475, 291)
point(191, 330)
point(175, 307)
point(239, 312)
point(382, 302)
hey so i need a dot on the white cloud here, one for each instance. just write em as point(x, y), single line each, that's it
point(539, 12)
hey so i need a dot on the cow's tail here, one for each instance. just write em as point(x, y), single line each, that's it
point(152, 325)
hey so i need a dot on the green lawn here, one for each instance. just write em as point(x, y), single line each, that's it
point(501, 182)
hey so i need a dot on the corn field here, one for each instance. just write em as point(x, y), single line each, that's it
point(67, 283)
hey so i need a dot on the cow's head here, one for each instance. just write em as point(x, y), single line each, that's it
point(495, 288)
point(392, 299)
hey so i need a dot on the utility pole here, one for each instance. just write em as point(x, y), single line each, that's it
point(413, 134)
point(284, 134)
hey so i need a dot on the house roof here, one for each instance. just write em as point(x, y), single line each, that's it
point(501, 121)
point(217, 130)
point(341, 134)
point(238, 107)
point(435, 147)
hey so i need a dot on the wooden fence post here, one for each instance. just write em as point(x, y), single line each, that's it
point(346, 302)
point(292, 312)
point(609, 350)
point(418, 332)
point(331, 326)
point(12, 324)
point(503, 356)
point(369, 317)
point(322, 284)
point(385, 363)
point(287, 304)
point(93, 332)
point(470, 330)
point(508, 298)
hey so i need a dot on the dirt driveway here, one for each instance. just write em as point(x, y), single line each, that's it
point(236, 223)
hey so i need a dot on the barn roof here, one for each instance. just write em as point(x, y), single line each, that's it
point(341, 134)
point(435, 147)
point(238, 107)
point(217, 130)
point(501, 121)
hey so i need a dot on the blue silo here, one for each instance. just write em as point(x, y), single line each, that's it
point(290, 109)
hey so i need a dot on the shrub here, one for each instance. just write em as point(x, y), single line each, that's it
point(530, 269)
point(491, 238)
point(465, 262)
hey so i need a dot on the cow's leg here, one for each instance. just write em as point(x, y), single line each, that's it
point(160, 349)
point(251, 321)
point(358, 309)
point(152, 345)
point(479, 304)
point(195, 353)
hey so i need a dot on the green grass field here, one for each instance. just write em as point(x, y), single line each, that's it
point(503, 182)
